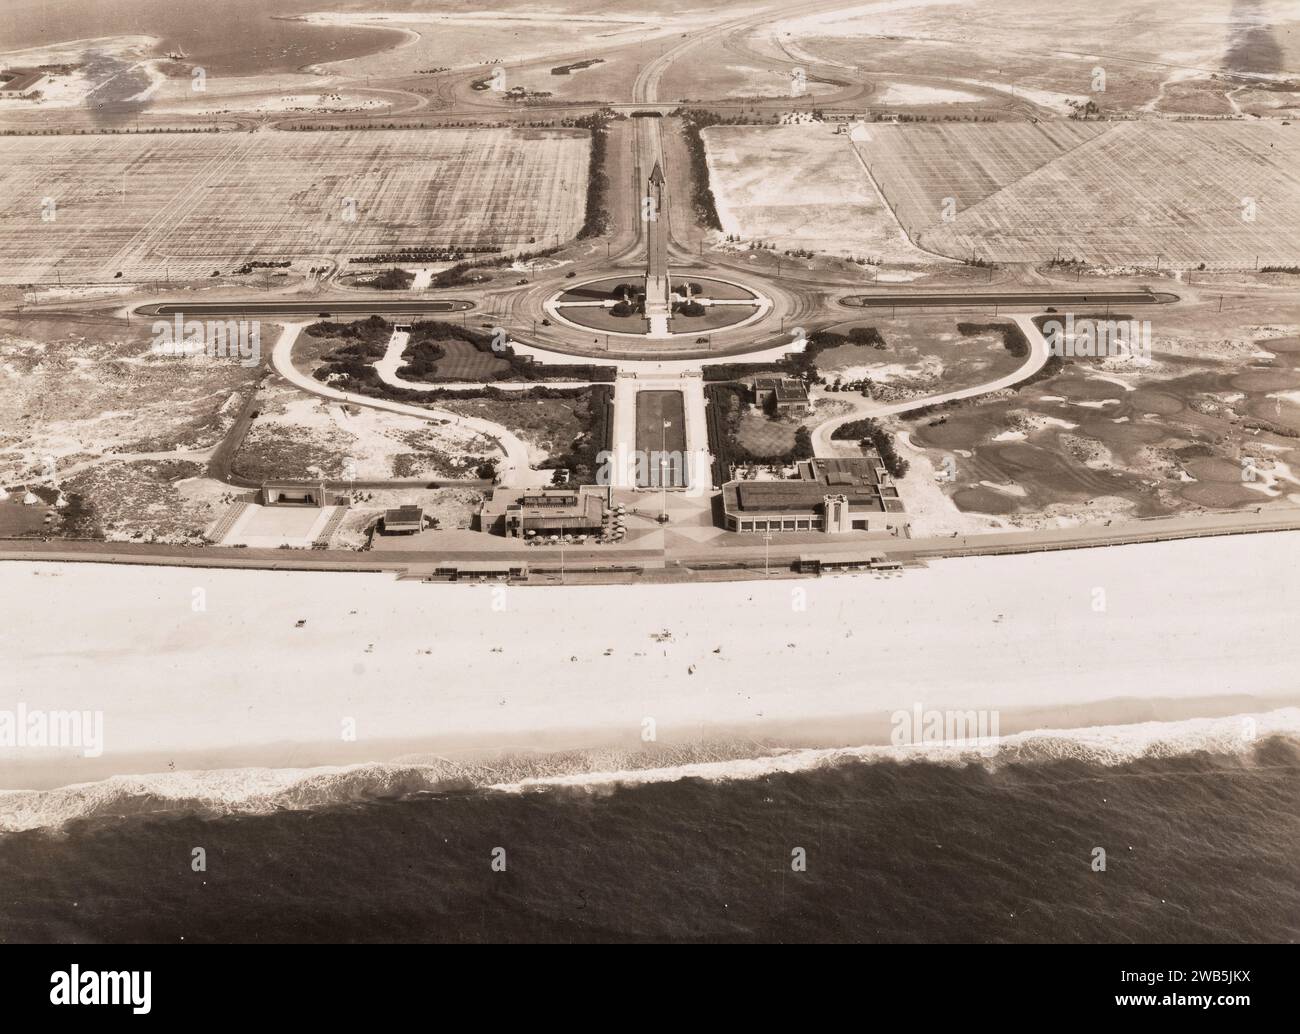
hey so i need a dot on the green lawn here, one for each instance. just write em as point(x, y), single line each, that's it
point(763, 436)
point(652, 409)
point(464, 362)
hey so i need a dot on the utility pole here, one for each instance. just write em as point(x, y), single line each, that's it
point(767, 553)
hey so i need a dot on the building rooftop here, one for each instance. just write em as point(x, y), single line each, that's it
point(547, 508)
point(787, 389)
point(791, 497)
point(863, 480)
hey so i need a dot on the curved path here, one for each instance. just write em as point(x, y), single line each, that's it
point(392, 361)
point(1037, 359)
point(514, 468)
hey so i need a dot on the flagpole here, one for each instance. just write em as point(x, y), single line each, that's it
point(663, 481)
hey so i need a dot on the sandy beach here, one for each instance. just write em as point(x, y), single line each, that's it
point(204, 669)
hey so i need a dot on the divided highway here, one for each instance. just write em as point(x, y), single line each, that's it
point(322, 308)
point(897, 298)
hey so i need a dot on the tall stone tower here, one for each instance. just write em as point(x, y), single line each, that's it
point(656, 275)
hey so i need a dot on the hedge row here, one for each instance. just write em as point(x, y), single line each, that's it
point(596, 219)
point(726, 450)
point(870, 433)
point(706, 205)
point(1012, 336)
point(369, 341)
point(582, 458)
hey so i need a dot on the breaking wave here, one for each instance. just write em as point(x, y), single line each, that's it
point(260, 791)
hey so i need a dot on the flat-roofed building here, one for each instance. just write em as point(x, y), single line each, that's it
point(294, 493)
point(781, 395)
point(403, 520)
point(481, 570)
point(830, 495)
point(835, 563)
point(515, 513)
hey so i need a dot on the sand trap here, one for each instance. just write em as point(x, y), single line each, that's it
point(1112, 380)
point(1007, 489)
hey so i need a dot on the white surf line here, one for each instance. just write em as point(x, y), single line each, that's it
point(1111, 745)
point(1036, 360)
point(514, 470)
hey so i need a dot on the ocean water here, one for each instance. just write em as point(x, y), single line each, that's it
point(226, 37)
point(1201, 840)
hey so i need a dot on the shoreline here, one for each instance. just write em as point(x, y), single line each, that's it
point(253, 790)
point(580, 751)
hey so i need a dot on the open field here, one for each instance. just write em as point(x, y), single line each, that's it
point(1157, 57)
point(152, 205)
point(801, 187)
point(143, 501)
point(298, 436)
point(923, 355)
point(548, 426)
point(918, 166)
point(76, 391)
point(1123, 194)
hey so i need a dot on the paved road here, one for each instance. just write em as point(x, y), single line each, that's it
point(782, 554)
point(514, 469)
point(1038, 298)
point(322, 307)
point(392, 361)
point(1037, 359)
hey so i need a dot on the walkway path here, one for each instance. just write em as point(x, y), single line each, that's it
point(514, 468)
point(1037, 359)
point(698, 461)
point(392, 361)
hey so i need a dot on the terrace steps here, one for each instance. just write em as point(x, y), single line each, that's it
point(226, 521)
